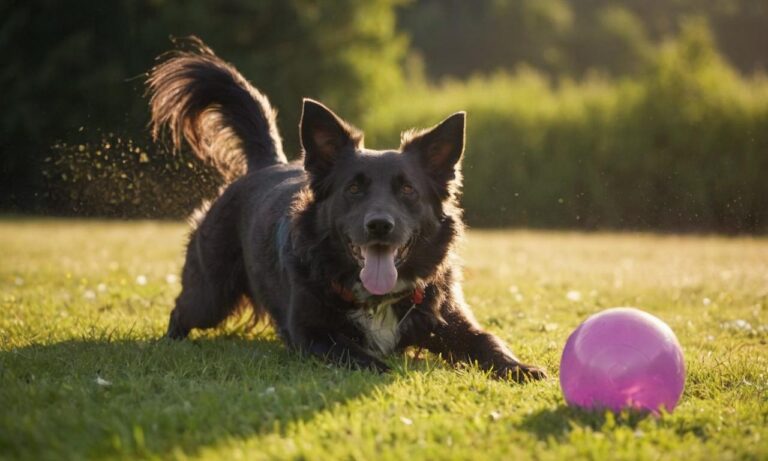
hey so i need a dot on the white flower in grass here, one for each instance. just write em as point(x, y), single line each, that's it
point(573, 295)
point(102, 382)
point(101, 288)
point(738, 325)
point(141, 280)
point(268, 391)
point(406, 421)
point(170, 279)
point(549, 326)
point(89, 295)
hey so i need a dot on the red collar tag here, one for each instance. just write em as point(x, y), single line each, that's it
point(417, 297)
point(345, 293)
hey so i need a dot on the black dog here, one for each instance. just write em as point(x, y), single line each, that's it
point(349, 251)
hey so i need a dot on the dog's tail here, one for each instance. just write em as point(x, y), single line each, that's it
point(225, 120)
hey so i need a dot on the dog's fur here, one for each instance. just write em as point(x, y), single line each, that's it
point(289, 238)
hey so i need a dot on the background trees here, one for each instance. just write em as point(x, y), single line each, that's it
point(640, 114)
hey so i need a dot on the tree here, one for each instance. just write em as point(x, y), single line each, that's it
point(74, 70)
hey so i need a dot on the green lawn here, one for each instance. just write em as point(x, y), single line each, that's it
point(82, 374)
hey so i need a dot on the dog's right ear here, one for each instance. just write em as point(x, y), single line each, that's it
point(324, 137)
point(439, 148)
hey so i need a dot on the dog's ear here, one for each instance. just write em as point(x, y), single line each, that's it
point(324, 137)
point(439, 148)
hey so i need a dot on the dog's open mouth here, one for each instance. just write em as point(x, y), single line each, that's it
point(379, 263)
point(401, 253)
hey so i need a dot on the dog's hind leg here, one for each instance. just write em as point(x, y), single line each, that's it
point(212, 286)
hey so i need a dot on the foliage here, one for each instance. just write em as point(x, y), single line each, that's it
point(573, 38)
point(588, 114)
point(681, 147)
point(73, 71)
point(83, 375)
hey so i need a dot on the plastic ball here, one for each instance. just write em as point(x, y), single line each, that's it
point(623, 358)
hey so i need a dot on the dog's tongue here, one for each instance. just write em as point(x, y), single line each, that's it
point(379, 274)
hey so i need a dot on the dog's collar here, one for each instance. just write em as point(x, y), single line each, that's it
point(417, 295)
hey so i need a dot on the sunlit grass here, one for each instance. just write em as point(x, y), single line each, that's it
point(82, 374)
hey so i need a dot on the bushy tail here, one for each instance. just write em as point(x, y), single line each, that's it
point(225, 120)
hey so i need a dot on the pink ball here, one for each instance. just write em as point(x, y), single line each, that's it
point(623, 358)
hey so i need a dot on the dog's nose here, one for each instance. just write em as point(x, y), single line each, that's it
point(379, 225)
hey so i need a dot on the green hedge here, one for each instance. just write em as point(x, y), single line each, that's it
point(685, 147)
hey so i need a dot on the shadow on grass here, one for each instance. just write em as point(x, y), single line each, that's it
point(103, 398)
point(560, 421)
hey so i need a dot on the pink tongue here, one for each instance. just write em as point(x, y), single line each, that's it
point(379, 274)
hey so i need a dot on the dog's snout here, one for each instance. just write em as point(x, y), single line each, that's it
point(379, 225)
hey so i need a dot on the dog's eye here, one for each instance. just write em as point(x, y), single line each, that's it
point(407, 189)
point(354, 189)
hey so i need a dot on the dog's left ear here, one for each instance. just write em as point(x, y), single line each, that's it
point(324, 137)
point(439, 148)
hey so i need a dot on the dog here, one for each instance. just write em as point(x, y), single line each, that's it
point(348, 251)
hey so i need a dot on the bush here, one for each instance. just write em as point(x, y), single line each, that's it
point(68, 80)
point(683, 147)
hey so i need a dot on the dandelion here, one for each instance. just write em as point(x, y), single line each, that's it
point(738, 325)
point(141, 280)
point(573, 295)
point(549, 326)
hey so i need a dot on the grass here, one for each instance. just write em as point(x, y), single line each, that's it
point(83, 376)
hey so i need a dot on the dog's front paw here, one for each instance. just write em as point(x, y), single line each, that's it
point(521, 373)
point(373, 364)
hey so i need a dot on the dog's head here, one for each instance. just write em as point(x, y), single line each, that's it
point(384, 208)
